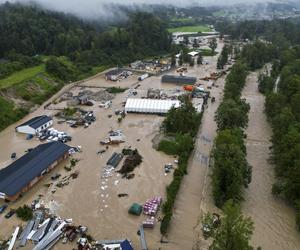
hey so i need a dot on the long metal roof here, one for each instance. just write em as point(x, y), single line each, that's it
point(150, 105)
point(36, 122)
point(178, 79)
point(21, 172)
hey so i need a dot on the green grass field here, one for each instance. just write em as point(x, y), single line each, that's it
point(198, 28)
point(21, 76)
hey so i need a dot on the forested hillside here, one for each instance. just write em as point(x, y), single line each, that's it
point(42, 50)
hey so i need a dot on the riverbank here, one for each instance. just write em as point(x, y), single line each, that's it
point(274, 220)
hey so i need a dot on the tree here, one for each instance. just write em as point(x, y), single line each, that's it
point(186, 40)
point(196, 43)
point(173, 60)
point(199, 59)
point(213, 45)
point(235, 231)
point(180, 61)
point(191, 61)
point(232, 114)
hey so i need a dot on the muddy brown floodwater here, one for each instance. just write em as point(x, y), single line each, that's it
point(274, 220)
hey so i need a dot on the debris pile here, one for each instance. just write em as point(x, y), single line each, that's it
point(99, 96)
point(132, 160)
point(114, 137)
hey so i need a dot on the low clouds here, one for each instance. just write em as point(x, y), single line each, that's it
point(95, 8)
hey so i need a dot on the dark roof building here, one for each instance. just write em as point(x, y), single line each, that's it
point(178, 79)
point(27, 170)
point(35, 125)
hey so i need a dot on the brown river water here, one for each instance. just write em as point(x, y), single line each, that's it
point(274, 220)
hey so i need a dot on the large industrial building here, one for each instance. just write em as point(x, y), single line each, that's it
point(178, 79)
point(150, 106)
point(35, 125)
point(26, 171)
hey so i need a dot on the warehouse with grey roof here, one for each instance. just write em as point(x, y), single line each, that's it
point(26, 171)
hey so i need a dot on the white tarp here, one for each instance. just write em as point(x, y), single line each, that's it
point(153, 106)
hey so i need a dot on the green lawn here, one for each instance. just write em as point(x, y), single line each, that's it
point(198, 28)
point(21, 76)
point(183, 20)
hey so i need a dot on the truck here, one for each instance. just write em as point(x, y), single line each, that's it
point(143, 77)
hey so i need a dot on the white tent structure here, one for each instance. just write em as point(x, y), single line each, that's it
point(151, 106)
point(193, 53)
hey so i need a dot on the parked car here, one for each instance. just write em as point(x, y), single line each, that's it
point(13, 156)
point(10, 213)
point(2, 208)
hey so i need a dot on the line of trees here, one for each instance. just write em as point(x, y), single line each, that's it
point(182, 123)
point(223, 58)
point(283, 111)
point(231, 171)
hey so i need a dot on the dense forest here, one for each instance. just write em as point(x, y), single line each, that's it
point(48, 49)
point(281, 33)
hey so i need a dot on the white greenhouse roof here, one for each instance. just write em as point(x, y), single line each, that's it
point(150, 105)
point(193, 53)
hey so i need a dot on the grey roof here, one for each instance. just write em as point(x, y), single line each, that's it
point(22, 171)
point(37, 121)
point(178, 79)
point(114, 72)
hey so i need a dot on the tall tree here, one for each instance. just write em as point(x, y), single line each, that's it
point(213, 45)
point(199, 59)
point(173, 60)
point(235, 231)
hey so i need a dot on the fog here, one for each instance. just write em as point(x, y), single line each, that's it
point(93, 9)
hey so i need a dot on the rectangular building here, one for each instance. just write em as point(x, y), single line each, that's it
point(150, 106)
point(178, 79)
point(35, 125)
point(23, 173)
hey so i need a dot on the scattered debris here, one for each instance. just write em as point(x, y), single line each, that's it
point(122, 195)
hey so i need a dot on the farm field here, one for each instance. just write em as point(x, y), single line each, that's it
point(198, 28)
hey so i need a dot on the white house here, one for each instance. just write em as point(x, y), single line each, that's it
point(35, 125)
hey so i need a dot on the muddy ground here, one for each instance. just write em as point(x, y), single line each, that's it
point(84, 200)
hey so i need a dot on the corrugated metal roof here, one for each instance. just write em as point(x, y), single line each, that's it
point(150, 105)
point(178, 79)
point(37, 121)
point(22, 171)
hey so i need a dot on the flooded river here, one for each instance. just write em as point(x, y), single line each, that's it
point(274, 220)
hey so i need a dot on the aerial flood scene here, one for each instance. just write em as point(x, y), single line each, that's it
point(150, 125)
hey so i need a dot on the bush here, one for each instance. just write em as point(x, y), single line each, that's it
point(115, 90)
point(168, 147)
point(24, 213)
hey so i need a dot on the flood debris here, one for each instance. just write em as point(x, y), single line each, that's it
point(76, 117)
point(132, 160)
point(114, 137)
point(45, 229)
